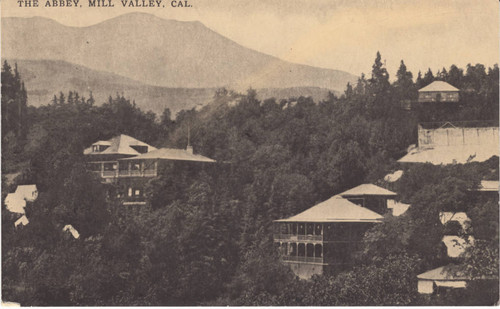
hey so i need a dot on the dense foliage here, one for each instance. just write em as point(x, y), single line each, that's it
point(205, 236)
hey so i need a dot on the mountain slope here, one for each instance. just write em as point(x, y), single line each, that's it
point(172, 54)
point(46, 78)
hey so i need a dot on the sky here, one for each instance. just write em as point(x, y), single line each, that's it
point(336, 34)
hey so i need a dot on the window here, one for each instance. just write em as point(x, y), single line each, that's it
point(110, 166)
point(310, 228)
point(318, 251)
point(137, 192)
point(293, 249)
point(318, 229)
point(95, 148)
point(140, 149)
point(302, 229)
point(294, 228)
point(130, 192)
point(302, 250)
point(310, 250)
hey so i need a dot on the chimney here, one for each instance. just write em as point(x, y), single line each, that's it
point(189, 149)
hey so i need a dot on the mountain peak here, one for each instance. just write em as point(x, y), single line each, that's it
point(161, 52)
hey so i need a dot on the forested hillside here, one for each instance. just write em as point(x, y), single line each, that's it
point(207, 240)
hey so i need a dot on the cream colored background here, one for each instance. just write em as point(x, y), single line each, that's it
point(333, 34)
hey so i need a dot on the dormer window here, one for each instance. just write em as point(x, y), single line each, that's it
point(99, 148)
point(140, 149)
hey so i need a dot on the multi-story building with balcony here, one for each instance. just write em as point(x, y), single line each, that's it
point(323, 238)
point(130, 163)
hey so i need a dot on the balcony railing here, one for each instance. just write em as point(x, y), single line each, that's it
point(302, 259)
point(126, 173)
point(280, 237)
point(108, 174)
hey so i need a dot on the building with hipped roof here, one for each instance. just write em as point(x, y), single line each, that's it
point(130, 163)
point(438, 91)
point(323, 238)
point(450, 276)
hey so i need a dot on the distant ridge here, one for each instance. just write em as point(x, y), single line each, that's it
point(46, 78)
point(176, 54)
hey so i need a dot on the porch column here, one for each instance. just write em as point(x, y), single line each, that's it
point(129, 168)
point(102, 169)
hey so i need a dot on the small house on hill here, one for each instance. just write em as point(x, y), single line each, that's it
point(438, 91)
point(445, 277)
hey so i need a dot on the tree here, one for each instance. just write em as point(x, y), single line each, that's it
point(428, 78)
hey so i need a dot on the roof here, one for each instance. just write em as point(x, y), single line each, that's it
point(104, 143)
point(398, 208)
point(22, 221)
point(335, 209)
point(26, 191)
point(488, 185)
point(460, 217)
point(15, 203)
point(456, 245)
point(72, 230)
point(119, 145)
point(10, 304)
point(394, 176)
point(171, 154)
point(462, 154)
point(438, 86)
point(446, 273)
point(367, 189)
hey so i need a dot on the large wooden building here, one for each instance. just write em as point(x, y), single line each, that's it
point(130, 163)
point(323, 238)
point(326, 237)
